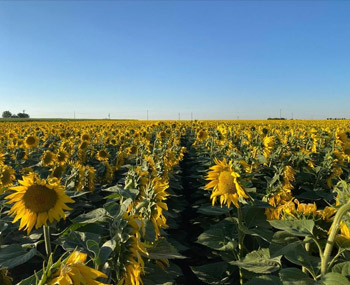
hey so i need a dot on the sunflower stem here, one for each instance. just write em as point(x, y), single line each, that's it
point(307, 248)
point(334, 230)
point(46, 231)
point(240, 242)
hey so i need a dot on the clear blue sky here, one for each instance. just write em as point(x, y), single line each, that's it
point(217, 59)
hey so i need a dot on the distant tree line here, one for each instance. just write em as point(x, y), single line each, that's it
point(336, 119)
point(276, 118)
point(8, 114)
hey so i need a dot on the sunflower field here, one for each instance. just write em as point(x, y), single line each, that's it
point(175, 202)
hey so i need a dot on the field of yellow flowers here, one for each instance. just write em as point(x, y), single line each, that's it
point(175, 202)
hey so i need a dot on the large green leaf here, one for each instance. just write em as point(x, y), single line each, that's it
point(342, 268)
point(295, 227)
point(213, 210)
point(77, 240)
point(158, 276)
point(221, 236)
point(333, 278)
point(163, 249)
point(296, 253)
point(259, 261)
point(294, 276)
point(97, 215)
point(264, 280)
point(14, 255)
point(106, 250)
point(212, 273)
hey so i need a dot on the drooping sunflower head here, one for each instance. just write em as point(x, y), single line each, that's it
point(31, 141)
point(84, 145)
point(4, 278)
point(223, 181)
point(74, 271)
point(37, 201)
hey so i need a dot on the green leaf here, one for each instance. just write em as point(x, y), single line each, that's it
point(296, 227)
point(157, 276)
point(94, 247)
point(342, 268)
point(106, 250)
point(294, 276)
point(264, 280)
point(14, 255)
point(210, 273)
point(213, 210)
point(259, 261)
point(77, 240)
point(31, 280)
point(296, 253)
point(333, 278)
point(221, 236)
point(163, 249)
point(97, 215)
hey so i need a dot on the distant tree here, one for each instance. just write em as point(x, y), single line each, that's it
point(14, 116)
point(6, 114)
point(22, 115)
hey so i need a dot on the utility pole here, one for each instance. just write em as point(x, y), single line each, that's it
point(292, 116)
point(280, 113)
point(191, 116)
point(74, 115)
point(109, 116)
point(147, 115)
point(179, 116)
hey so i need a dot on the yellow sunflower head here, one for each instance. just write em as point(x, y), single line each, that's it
point(102, 155)
point(74, 271)
point(57, 171)
point(223, 181)
point(31, 141)
point(202, 135)
point(7, 175)
point(85, 137)
point(48, 158)
point(37, 201)
point(62, 156)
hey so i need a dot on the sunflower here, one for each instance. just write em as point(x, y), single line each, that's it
point(102, 155)
point(74, 271)
point(48, 158)
point(202, 135)
point(31, 141)
point(84, 145)
point(62, 156)
point(57, 171)
point(344, 230)
point(37, 201)
point(4, 278)
point(269, 143)
point(224, 183)
point(134, 265)
point(85, 137)
point(288, 177)
point(7, 176)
